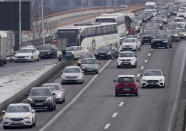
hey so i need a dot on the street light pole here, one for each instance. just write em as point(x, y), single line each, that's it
point(20, 34)
point(43, 26)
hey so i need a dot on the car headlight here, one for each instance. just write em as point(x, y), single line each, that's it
point(5, 117)
point(165, 41)
point(27, 117)
point(184, 34)
point(161, 80)
point(176, 35)
point(59, 95)
point(79, 76)
point(48, 99)
point(143, 81)
point(29, 99)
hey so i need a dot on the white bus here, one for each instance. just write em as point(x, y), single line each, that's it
point(151, 7)
point(88, 35)
point(124, 20)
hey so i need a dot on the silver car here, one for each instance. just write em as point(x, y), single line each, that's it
point(58, 90)
point(20, 114)
point(72, 74)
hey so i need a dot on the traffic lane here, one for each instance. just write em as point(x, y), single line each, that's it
point(148, 111)
point(71, 90)
point(11, 68)
point(97, 103)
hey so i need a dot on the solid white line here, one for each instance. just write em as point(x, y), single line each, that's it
point(142, 67)
point(149, 54)
point(121, 104)
point(114, 114)
point(73, 100)
point(175, 106)
point(146, 61)
point(106, 126)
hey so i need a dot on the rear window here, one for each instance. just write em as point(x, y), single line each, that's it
point(126, 79)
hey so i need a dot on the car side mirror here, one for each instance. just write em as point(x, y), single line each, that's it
point(114, 80)
point(33, 111)
point(3, 111)
point(53, 94)
point(137, 80)
point(63, 89)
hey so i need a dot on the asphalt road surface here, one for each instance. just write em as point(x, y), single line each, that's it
point(97, 109)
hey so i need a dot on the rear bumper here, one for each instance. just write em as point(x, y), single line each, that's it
point(126, 90)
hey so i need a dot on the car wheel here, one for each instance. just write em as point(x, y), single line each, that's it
point(139, 48)
point(118, 66)
point(5, 127)
point(135, 65)
point(136, 94)
point(82, 82)
point(51, 108)
point(38, 59)
point(63, 100)
point(34, 123)
point(170, 46)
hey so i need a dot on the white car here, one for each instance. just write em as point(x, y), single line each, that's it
point(27, 54)
point(180, 21)
point(130, 44)
point(182, 13)
point(153, 78)
point(126, 58)
point(77, 50)
point(20, 114)
point(72, 74)
point(58, 90)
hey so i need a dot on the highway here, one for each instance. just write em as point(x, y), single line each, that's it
point(11, 68)
point(98, 109)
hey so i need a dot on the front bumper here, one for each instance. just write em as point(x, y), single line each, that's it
point(45, 55)
point(125, 63)
point(90, 70)
point(104, 56)
point(41, 105)
point(17, 123)
point(146, 40)
point(22, 60)
point(128, 48)
point(153, 83)
point(71, 80)
point(159, 44)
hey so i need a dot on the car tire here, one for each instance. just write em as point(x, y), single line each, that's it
point(51, 108)
point(170, 46)
point(135, 66)
point(34, 123)
point(64, 100)
point(136, 94)
point(118, 66)
point(82, 82)
point(5, 127)
point(116, 94)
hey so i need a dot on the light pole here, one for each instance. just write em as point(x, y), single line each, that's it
point(20, 34)
point(43, 25)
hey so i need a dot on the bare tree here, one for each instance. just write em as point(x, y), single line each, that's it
point(34, 37)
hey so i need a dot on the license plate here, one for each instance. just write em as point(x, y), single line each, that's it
point(126, 89)
point(39, 104)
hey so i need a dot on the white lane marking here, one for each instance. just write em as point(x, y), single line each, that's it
point(138, 75)
point(114, 114)
point(149, 54)
point(121, 104)
point(44, 128)
point(175, 106)
point(151, 49)
point(146, 61)
point(142, 67)
point(106, 126)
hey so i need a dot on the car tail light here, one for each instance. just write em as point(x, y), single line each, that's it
point(117, 84)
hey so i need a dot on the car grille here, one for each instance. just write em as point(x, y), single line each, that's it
point(152, 81)
point(16, 119)
point(125, 60)
point(71, 77)
point(39, 101)
point(20, 57)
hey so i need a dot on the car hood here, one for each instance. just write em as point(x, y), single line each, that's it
point(124, 44)
point(38, 97)
point(89, 65)
point(57, 92)
point(71, 74)
point(23, 54)
point(17, 115)
point(152, 77)
point(44, 51)
point(157, 39)
point(125, 58)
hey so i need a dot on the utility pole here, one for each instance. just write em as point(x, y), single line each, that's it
point(43, 25)
point(20, 34)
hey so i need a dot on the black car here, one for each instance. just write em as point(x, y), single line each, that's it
point(148, 35)
point(161, 40)
point(42, 98)
point(48, 51)
point(3, 60)
point(106, 52)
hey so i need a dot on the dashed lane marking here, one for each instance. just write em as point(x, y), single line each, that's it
point(121, 104)
point(106, 126)
point(142, 67)
point(114, 114)
point(146, 61)
point(149, 54)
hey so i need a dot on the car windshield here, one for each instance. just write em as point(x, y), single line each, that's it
point(105, 48)
point(126, 55)
point(179, 20)
point(150, 32)
point(25, 51)
point(71, 70)
point(89, 61)
point(86, 56)
point(45, 47)
point(162, 36)
point(70, 48)
point(126, 79)
point(40, 92)
point(129, 40)
point(17, 109)
point(152, 73)
point(53, 87)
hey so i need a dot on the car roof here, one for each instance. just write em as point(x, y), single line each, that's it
point(19, 104)
point(52, 84)
point(126, 76)
point(72, 67)
point(126, 52)
point(40, 88)
point(153, 70)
